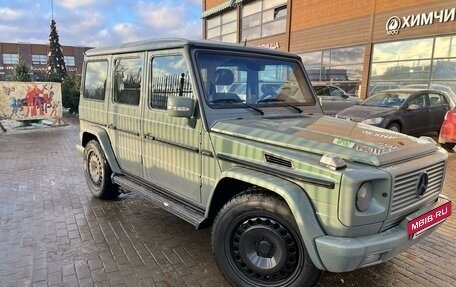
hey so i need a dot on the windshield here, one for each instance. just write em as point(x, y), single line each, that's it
point(386, 99)
point(232, 81)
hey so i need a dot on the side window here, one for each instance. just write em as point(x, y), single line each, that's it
point(437, 100)
point(127, 81)
point(169, 78)
point(420, 101)
point(95, 80)
point(335, 92)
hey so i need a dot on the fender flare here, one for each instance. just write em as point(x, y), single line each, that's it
point(105, 143)
point(294, 196)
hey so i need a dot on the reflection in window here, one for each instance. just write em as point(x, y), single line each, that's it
point(445, 47)
point(420, 63)
point(127, 81)
point(404, 70)
point(444, 69)
point(95, 80)
point(403, 50)
point(169, 78)
point(342, 67)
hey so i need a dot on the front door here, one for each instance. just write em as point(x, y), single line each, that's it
point(171, 145)
point(416, 120)
point(124, 116)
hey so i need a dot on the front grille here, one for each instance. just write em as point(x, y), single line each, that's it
point(405, 200)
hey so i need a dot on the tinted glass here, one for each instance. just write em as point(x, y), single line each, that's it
point(169, 78)
point(95, 80)
point(127, 81)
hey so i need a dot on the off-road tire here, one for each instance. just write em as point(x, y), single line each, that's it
point(256, 242)
point(98, 172)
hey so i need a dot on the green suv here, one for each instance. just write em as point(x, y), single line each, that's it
point(287, 191)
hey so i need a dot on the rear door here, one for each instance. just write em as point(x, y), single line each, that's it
point(124, 113)
point(438, 106)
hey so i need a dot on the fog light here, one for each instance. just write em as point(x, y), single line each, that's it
point(371, 259)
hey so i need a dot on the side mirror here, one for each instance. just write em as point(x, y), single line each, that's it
point(181, 107)
point(413, 107)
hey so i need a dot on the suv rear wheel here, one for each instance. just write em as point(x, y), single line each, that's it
point(256, 242)
point(98, 172)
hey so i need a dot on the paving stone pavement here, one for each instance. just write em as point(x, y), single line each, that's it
point(54, 233)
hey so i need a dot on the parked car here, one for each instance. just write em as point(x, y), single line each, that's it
point(438, 87)
point(333, 99)
point(409, 111)
point(447, 135)
point(382, 86)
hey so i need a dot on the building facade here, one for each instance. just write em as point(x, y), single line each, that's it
point(35, 58)
point(362, 46)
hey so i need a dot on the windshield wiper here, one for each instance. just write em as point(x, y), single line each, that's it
point(237, 101)
point(272, 100)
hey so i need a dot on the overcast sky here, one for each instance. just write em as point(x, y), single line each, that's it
point(95, 23)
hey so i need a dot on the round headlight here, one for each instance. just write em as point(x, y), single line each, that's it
point(364, 196)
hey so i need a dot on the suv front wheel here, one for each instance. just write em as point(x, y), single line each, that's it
point(98, 172)
point(256, 242)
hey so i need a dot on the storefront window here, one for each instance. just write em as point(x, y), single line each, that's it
point(445, 47)
point(341, 66)
point(418, 63)
point(263, 18)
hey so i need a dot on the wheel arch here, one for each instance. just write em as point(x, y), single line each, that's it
point(101, 136)
point(238, 179)
point(397, 122)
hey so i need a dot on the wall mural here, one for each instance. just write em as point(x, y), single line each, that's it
point(30, 100)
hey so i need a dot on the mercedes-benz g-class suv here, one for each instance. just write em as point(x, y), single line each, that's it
point(288, 191)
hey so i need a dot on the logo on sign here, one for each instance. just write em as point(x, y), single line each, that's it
point(393, 25)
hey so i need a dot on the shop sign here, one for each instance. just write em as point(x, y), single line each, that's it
point(395, 24)
point(273, 45)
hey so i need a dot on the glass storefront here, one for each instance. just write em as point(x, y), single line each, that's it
point(418, 63)
point(341, 66)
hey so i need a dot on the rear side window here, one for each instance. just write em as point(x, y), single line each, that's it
point(169, 78)
point(437, 100)
point(95, 80)
point(127, 81)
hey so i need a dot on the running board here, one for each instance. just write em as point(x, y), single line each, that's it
point(153, 195)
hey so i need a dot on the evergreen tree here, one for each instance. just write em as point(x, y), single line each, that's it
point(20, 72)
point(55, 60)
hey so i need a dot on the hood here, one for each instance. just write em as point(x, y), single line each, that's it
point(318, 134)
point(359, 113)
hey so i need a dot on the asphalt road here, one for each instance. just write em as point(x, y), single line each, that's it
point(54, 233)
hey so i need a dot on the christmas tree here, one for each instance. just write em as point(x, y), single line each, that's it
point(55, 60)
